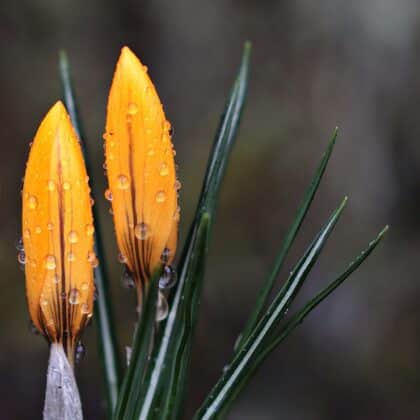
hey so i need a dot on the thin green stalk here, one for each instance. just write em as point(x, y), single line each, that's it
point(103, 309)
point(267, 286)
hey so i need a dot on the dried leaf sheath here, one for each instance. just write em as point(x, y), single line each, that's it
point(58, 232)
point(141, 171)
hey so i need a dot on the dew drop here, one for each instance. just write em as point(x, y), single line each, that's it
point(84, 286)
point(50, 226)
point(168, 278)
point(71, 257)
point(123, 182)
point(38, 230)
point(21, 257)
point(50, 185)
point(73, 237)
point(92, 259)
point(50, 262)
point(127, 279)
point(108, 194)
point(163, 169)
point(26, 233)
point(160, 196)
point(32, 202)
point(66, 185)
point(151, 152)
point(162, 308)
point(79, 352)
point(89, 230)
point(166, 253)
point(19, 244)
point(74, 295)
point(32, 328)
point(142, 231)
point(84, 308)
point(132, 108)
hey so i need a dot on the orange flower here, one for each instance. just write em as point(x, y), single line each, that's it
point(58, 232)
point(141, 171)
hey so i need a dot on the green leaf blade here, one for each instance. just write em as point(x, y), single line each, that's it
point(231, 381)
point(267, 286)
point(142, 343)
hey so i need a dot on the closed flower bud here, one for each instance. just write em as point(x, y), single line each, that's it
point(57, 232)
point(141, 172)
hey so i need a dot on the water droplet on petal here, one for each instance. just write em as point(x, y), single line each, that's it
point(50, 262)
point(71, 257)
point(166, 253)
point(84, 286)
point(89, 230)
point(132, 108)
point(142, 231)
point(92, 259)
point(74, 295)
point(32, 328)
point(26, 233)
point(21, 257)
point(79, 352)
point(128, 280)
point(163, 169)
point(66, 185)
point(162, 307)
point(50, 185)
point(160, 196)
point(38, 230)
point(73, 237)
point(50, 226)
point(123, 182)
point(84, 308)
point(32, 202)
point(108, 194)
point(19, 244)
point(168, 278)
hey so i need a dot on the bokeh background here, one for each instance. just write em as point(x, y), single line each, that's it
point(315, 65)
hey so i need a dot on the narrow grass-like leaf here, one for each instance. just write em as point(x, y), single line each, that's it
point(267, 286)
point(142, 344)
point(295, 320)
point(227, 387)
point(178, 328)
point(103, 309)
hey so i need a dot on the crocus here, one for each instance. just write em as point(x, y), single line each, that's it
point(57, 233)
point(141, 173)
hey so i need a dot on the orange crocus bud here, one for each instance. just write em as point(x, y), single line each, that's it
point(58, 232)
point(143, 187)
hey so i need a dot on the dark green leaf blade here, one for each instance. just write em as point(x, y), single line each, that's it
point(267, 286)
point(178, 328)
point(227, 387)
point(274, 340)
point(143, 337)
point(103, 310)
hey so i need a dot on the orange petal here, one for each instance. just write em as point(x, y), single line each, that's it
point(57, 231)
point(141, 169)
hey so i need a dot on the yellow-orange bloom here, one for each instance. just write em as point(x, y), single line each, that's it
point(57, 232)
point(141, 171)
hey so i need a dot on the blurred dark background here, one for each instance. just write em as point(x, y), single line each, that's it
point(315, 65)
